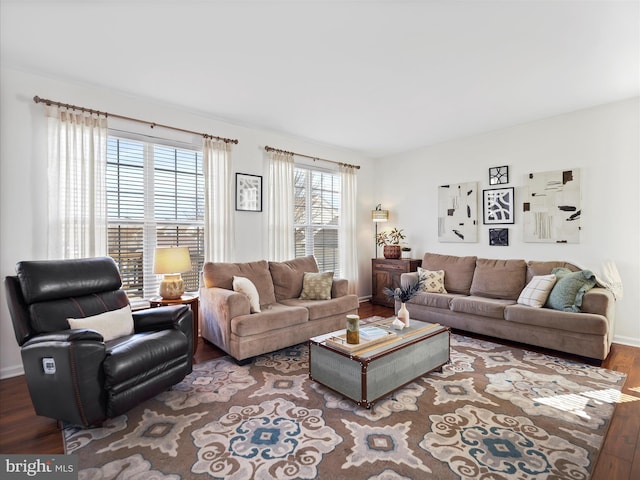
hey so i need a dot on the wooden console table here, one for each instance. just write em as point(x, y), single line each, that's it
point(386, 273)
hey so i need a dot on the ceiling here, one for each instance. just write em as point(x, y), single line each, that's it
point(375, 77)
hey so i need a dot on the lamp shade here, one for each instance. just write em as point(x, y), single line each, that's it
point(171, 260)
point(379, 215)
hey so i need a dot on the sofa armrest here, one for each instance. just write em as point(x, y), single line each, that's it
point(408, 279)
point(600, 301)
point(217, 307)
point(339, 288)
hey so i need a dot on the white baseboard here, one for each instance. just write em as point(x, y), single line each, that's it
point(9, 372)
point(631, 341)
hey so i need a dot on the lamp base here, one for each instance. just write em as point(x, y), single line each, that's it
point(171, 286)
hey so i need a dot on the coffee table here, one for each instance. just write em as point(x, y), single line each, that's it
point(372, 372)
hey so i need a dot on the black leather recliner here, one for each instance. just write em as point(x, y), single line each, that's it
point(74, 375)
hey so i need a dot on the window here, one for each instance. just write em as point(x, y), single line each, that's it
point(155, 197)
point(316, 216)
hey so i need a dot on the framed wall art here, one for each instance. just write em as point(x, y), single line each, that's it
point(458, 212)
point(498, 175)
point(498, 206)
point(248, 192)
point(551, 208)
point(499, 237)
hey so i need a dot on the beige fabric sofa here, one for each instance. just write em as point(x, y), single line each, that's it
point(482, 298)
point(284, 319)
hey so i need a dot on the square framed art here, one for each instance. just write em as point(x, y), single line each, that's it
point(499, 175)
point(498, 206)
point(248, 192)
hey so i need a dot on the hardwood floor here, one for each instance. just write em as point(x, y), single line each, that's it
point(22, 431)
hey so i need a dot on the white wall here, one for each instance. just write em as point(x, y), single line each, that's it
point(23, 191)
point(603, 142)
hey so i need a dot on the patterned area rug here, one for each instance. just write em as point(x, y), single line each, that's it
point(494, 412)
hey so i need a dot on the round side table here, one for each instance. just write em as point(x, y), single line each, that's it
point(190, 299)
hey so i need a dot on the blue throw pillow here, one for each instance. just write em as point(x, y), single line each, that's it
point(568, 291)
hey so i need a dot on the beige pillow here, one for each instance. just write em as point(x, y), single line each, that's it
point(246, 286)
point(433, 280)
point(316, 286)
point(537, 291)
point(111, 325)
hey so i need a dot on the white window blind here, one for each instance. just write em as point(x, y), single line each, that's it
point(155, 197)
point(316, 216)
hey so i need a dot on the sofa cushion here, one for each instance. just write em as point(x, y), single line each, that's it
point(433, 281)
point(536, 267)
point(288, 276)
point(246, 286)
point(272, 318)
point(568, 291)
point(316, 286)
point(220, 274)
point(537, 291)
point(581, 323)
point(111, 325)
point(499, 278)
point(319, 309)
point(458, 271)
point(485, 307)
point(436, 300)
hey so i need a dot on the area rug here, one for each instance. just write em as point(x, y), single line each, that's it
point(495, 412)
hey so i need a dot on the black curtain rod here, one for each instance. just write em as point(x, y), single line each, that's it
point(271, 149)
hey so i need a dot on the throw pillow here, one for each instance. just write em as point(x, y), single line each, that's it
point(568, 291)
point(111, 325)
point(316, 286)
point(246, 286)
point(433, 281)
point(537, 291)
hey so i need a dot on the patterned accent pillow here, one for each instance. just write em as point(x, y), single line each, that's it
point(433, 280)
point(537, 291)
point(316, 286)
point(246, 286)
point(111, 325)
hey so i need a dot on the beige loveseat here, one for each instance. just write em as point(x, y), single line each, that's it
point(284, 318)
point(482, 297)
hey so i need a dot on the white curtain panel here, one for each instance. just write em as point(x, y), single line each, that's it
point(218, 220)
point(280, 206)
point(77, 159)
point(348, 232)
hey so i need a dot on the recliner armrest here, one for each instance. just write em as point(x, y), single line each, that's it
point(64, 336)
point(159, 318)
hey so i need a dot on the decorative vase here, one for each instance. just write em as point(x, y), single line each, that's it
point(391, 251)
point(353, 329)
point(406, 253)
point(403, 315)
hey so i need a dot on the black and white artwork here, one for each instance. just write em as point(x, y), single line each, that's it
point(458, 212)
point(497, 206)
point(248, 192)
point(551, 207)
point(499, 175)
point(499, 237)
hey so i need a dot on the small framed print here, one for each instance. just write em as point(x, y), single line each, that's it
point(497, 206)
point(499, 237)
point(498, 175)
point(248, 192)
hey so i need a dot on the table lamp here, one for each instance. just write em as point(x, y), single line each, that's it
point(171, 262)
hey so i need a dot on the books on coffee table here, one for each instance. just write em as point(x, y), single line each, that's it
point(369, 336)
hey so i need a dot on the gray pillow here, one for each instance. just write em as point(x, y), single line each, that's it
point(568, 291)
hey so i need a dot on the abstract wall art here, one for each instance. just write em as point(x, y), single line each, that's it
point(248, 192)
point(497, 206)
point(499, 237)
point(551, 208)
point(458, 212)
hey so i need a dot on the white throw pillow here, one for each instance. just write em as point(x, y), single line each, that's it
point(111, 325)
point(537, 291)
point(433, 280)
point(246, 286)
